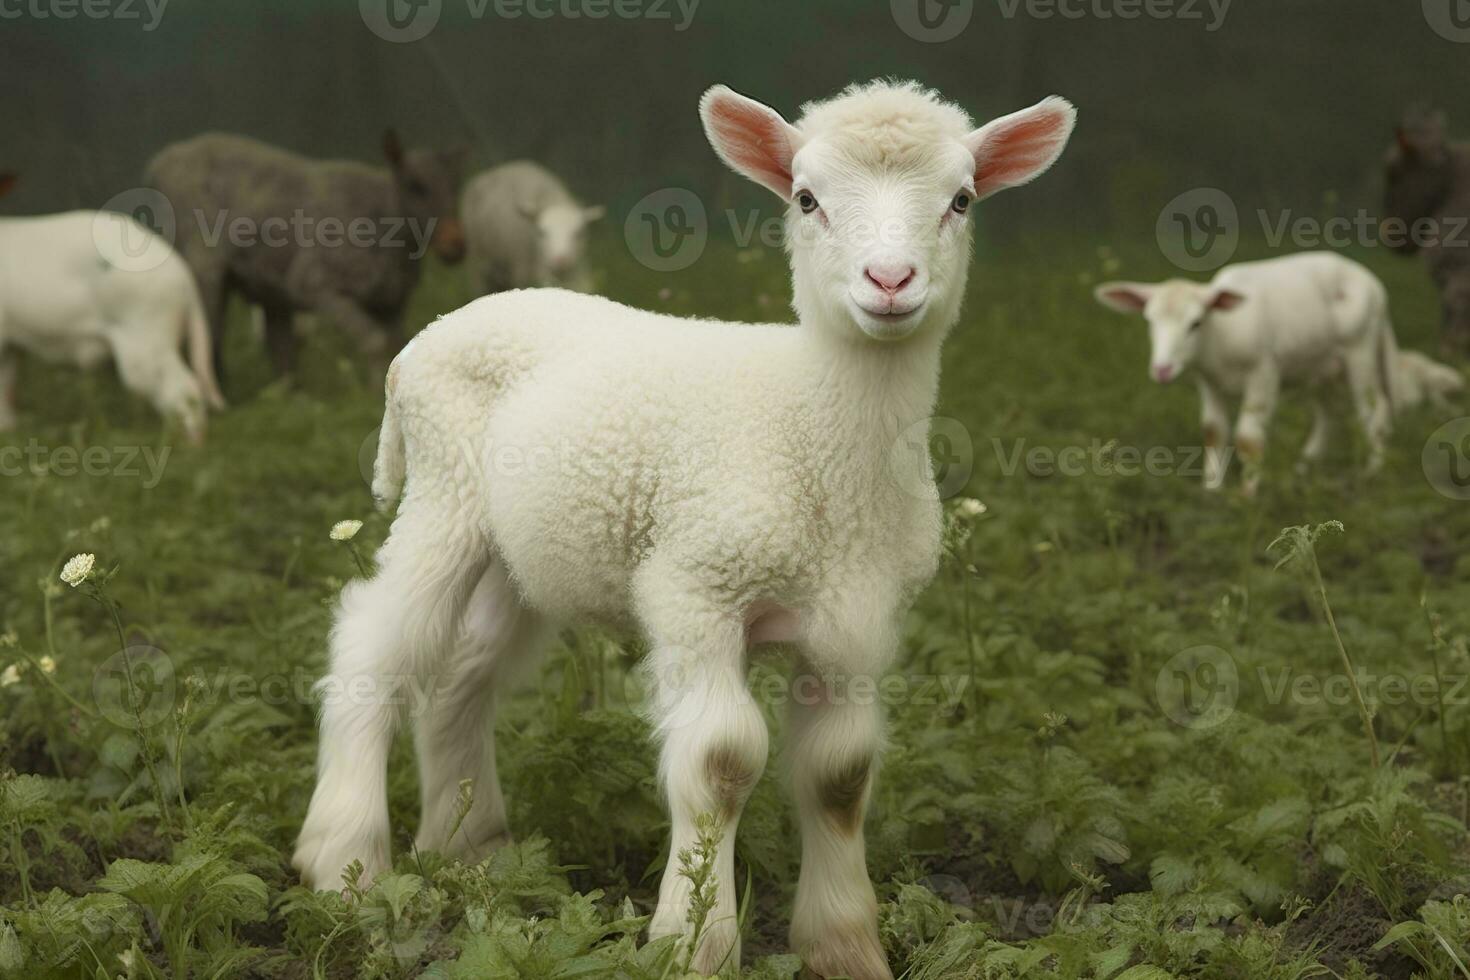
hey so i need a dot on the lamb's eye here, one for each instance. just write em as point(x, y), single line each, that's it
point(1196, 324)
point(807, 202)
point(961, 203)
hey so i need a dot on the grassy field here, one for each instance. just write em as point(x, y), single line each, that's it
point(1124, 744)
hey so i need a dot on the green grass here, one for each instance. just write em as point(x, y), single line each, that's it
point(1045, 814)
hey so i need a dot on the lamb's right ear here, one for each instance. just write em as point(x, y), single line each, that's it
point(7, 183)
point(753, 139)
point(1125, 297)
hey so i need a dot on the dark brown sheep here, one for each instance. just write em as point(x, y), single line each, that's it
point(338, 238)
point(1427, 199)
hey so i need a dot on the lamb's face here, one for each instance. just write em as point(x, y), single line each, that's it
point(879, 183)
point(1178, 314)
point(561, 237)
point(882, 248)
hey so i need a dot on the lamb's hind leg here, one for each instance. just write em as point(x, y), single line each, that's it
point(455, 729)
point(1316, 445)
point(390, 633)
point(1375, 411)
point(713, 749)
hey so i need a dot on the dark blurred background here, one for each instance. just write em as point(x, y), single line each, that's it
point(1282, 103)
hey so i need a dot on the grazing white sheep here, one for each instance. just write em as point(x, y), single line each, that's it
point(84, 286)
point(712, 484)
point(524, 228)
point(1257, 325)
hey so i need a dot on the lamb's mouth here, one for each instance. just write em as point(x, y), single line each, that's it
point(889, 324)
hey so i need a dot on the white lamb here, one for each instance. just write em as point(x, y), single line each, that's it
point(713, 484)
point(1257, 325)
point(83, 286)
point(524, 228)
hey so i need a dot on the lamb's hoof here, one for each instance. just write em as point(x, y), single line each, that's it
point(856, 955)
point(468, 852)
point(322, 861)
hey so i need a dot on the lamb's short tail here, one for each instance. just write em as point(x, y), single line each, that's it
point(201, 349)
point(391, 467)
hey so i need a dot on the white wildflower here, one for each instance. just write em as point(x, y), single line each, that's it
point(345, 530)
point(11, 675)
point(9, 638)
point(970, 507)
point(47, 664)
point(77, 569)
point(100, 525)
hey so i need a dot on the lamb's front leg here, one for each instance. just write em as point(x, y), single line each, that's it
point(1256, 408)
point(835, 736)
point(1215, 424)
point(834, 758)
point(713, 749)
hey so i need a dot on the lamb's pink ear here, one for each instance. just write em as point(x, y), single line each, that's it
point(7, 183)
point(751, 138)
point(1014, 149)
point(1226, 299)
point(1125, 297)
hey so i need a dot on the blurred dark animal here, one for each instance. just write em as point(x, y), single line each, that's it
point(7, 181)
point(289, 233)
point(1428, 184)
point(524, 228)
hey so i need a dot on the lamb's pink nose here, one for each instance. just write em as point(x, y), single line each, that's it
point(890, 278)
point(1163, 373)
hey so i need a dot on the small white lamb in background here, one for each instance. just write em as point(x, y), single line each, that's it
point(1257, 325)
point(84, 286)
point(524, 228)
point(714, 484)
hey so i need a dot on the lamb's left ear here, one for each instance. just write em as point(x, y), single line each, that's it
point(1225, 299)
point(753, 139)
point(1014, 149)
